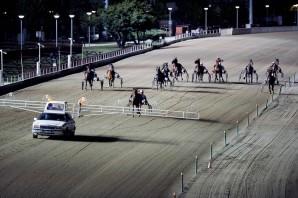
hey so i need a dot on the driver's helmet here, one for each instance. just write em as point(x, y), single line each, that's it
point(276, 60)
point(175, 60)
point(111, 67)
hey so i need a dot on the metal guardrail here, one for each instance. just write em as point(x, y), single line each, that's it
point(105, 56)
point(94, 110)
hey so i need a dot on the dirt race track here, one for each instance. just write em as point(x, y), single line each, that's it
point(122, 156)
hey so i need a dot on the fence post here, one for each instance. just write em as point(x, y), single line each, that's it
point(257, 106)
point(237, 127)
point(182, 182)
point(289, 81)
point(196, 165)
point(211, 151)
point(225, 135)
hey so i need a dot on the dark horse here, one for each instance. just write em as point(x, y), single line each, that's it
point(159, 78)
point(271, 81)
point(136, 100)
point(178, 70)
point(248, 73)
point(89, 77)
point(199, 72)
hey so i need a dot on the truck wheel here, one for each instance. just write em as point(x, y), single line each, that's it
point(35, 135)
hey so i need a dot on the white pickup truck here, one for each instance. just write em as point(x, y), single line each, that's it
point(54, 121)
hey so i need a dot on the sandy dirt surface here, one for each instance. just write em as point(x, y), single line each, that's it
point(264, 163)
point(121, 156)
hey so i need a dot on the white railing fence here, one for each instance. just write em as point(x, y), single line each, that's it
point(93, 110)
point(34, 106)
point(90, 110)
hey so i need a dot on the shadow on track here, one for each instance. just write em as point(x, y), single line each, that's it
point(107, 139)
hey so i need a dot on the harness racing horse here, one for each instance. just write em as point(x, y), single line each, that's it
point(159, 78)
point(275, 70)
point(248, 74)
point(89, 78)
point(166, 73)
point(219, 70)
point(272, 75)
point(162, 77)
point(271, 81)
point(111, 75)
point(199, 72)
point(178, 70)
point(138, 99)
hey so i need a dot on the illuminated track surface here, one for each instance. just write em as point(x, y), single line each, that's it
point(122, 156)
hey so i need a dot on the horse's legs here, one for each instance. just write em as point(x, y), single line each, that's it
point(90, 84)
point(220, 78)
point(139, 109)
point(270, 87)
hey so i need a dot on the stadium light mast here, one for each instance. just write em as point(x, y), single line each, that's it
point(250, 13)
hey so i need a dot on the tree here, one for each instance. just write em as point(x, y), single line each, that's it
point(123, 19)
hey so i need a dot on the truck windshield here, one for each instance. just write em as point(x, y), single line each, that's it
point(52, 116)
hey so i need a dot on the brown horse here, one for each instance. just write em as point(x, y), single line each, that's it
point(111, 77)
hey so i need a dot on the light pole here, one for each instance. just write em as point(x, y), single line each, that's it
point(93, 27)
point(206, 10)
point(251, 18)
point(170, 21)
point(267, 8)
point(1, 72)
point(56, 16)
point(296, 6)
point(71, 16)
point(22, 67)
point(39, 52)
point(237, 16)
point(89, 15)
point(38, 63)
